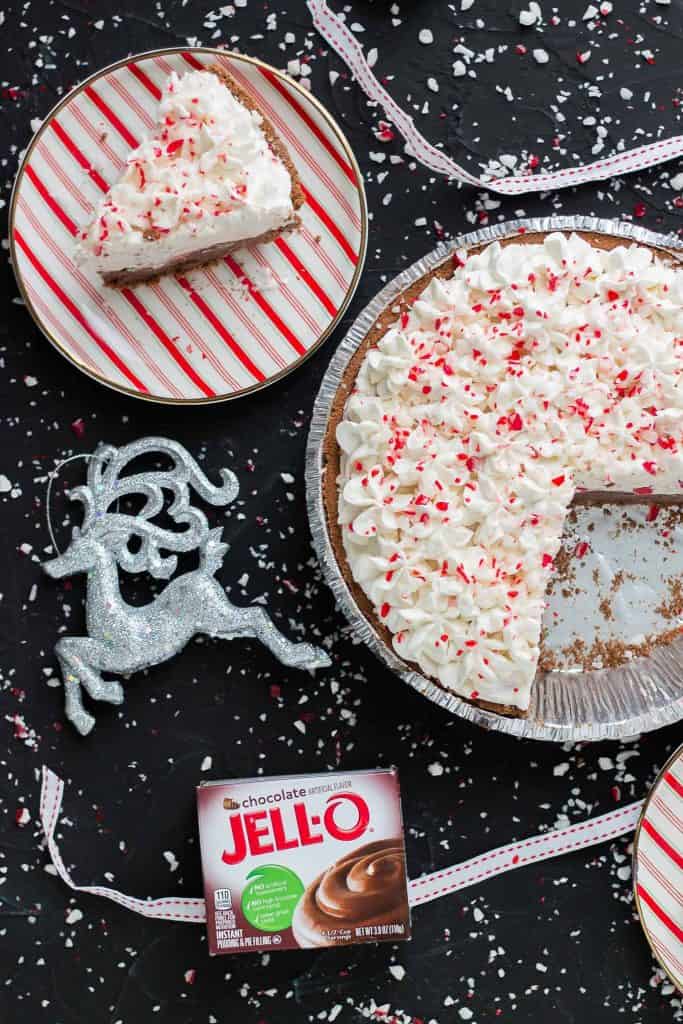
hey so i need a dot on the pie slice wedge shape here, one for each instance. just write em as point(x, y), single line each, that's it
point(213, 175)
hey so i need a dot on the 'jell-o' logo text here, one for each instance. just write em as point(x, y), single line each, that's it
point(260, 832)
point(303, 861)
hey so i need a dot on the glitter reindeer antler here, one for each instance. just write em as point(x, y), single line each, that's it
point(107, 485)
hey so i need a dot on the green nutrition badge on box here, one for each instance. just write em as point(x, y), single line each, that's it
point(303, 861)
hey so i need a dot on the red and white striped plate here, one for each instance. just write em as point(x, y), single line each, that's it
point(658, 868)
point(210, 334)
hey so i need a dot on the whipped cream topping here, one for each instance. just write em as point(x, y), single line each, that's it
point(207, 176)
point(536, 370)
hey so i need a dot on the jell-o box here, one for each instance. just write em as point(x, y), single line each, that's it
point(303, 861)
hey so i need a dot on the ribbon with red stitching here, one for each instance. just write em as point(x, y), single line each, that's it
point(337, 34)
point(526, 851)
point(420, 890)
point(170, 908)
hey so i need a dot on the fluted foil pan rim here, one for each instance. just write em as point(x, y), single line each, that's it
point(607, 704)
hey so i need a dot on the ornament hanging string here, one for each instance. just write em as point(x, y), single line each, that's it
point(428, 887)
point(50, 481)
point(54, 473)
point(336, 33)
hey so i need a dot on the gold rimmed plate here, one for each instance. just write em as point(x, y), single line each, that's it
point(210, 334)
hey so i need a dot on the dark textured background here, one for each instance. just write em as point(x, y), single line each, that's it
point(555, 941)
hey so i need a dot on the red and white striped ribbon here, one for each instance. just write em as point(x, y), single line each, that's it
point(170, 908)
point(526, 851)
point(336, 33)
point(420, 890)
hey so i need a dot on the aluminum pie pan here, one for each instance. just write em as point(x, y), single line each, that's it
point(615, 703)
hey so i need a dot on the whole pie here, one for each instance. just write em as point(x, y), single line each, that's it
point(515, 379)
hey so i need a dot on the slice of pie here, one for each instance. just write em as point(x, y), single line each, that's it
point(212, 176)
point(498, 389)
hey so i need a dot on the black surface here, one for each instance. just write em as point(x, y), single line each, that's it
point(554, 941)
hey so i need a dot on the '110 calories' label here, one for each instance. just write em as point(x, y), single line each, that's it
point(303, 861)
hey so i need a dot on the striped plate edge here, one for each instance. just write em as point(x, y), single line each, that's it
point(658, 868)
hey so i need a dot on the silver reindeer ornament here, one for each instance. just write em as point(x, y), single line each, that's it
point(123, 639)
